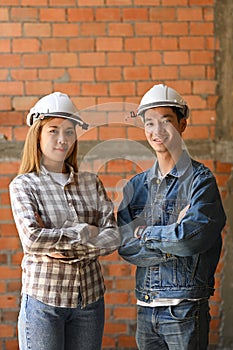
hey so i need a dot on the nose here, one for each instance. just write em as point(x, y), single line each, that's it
point(61, 139)
point(157, 128)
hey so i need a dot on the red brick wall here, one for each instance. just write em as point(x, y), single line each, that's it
point(102, 51)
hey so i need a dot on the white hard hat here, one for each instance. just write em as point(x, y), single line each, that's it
point(57, 105)
point(161, 95)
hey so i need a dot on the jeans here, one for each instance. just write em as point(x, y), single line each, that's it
point(181, 327)
point(45, 327)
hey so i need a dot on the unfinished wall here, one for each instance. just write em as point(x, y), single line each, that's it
point(107, 53)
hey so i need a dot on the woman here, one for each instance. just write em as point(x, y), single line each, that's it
point(65, 222)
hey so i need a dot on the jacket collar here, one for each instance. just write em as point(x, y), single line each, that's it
point(179, 169)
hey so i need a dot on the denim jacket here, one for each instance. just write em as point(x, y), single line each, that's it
point(174, 260)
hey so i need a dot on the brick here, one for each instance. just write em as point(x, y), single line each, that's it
point(109, 44)
point(108, 14)
point(19, 134)
point(11, 88)
point(201, 28)
point(136, 73)
point(9, 168)
point(189, 14)
point(68, 59)
point(5, 104)
point(127, 341)
point(10, 30)
point(121, 59)
point(120, 29)
point(5, 45)
point(91, 2)
point(24, 74)
point(204, 87)
point(4, 14)
point(161, 14)
point(201, 57)
point(196, 132)
point(9, 243)
point(66, 30)
point(9, 273)
point(119, 89)
point(108, 74)
point(53, 44)
point(40, 88)
point(147, 29)
point(119, 2)
point(108, 342)
point(114, 328)
point(81, 44)
point(92, 59)
point(175, 28)
point(160, 43)
point(192, 43)
point(69, 88)
point(92, 29)
point(35, 60)
point(161, 72)
point(137, 44)
point(192, 72)
point(25, 45)
point(23, 14)
point(135, 14)
point(35, 2)
point(94, 89)
point(8, 229)
point(175, 2)
point(10, 60)
point(6, 330)
point(62, 2)
point(80, 14)
point(52, 74)
point(52, 15)
point(32, 29)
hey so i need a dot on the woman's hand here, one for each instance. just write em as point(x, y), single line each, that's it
point(41, 224)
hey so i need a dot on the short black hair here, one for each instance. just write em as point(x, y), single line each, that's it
point(178, 112)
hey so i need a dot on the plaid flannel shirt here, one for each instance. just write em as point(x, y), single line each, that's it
point(69, 213)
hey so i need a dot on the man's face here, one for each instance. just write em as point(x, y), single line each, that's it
point(162, 129)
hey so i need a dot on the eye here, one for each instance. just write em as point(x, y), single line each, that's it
point(70, 132)
point(53, 131)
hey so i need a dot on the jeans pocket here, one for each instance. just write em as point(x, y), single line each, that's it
point(186, 310)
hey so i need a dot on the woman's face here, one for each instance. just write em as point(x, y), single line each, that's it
point(57, 142)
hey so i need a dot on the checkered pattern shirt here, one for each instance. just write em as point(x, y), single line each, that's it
point(78, 222)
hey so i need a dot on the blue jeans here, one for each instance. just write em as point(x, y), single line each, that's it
point(45, 327)
point(181, 327)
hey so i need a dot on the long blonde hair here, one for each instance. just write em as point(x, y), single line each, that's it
point(32, 156)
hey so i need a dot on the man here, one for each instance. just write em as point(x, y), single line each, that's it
point(170, 219)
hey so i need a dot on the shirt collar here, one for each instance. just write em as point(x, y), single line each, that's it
point(45, 171)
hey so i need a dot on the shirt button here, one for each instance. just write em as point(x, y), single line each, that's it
point(146, 297)
point(70, 204)
point(158, 181)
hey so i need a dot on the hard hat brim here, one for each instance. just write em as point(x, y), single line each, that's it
point(73, 117)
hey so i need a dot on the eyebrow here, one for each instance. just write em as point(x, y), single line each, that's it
point(162, 116)
point(57, 127)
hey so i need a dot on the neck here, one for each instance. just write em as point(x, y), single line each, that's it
point(167, 161)
point(55, 167)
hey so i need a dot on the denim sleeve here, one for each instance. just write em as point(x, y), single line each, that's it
point(132, 249)
point(198, 230)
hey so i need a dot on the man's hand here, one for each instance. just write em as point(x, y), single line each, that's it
point(182, 213)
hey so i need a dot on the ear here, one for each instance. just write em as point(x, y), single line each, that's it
point(183, 124)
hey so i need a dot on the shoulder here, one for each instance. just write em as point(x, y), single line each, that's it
point(201, 170)
point(26, 179)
